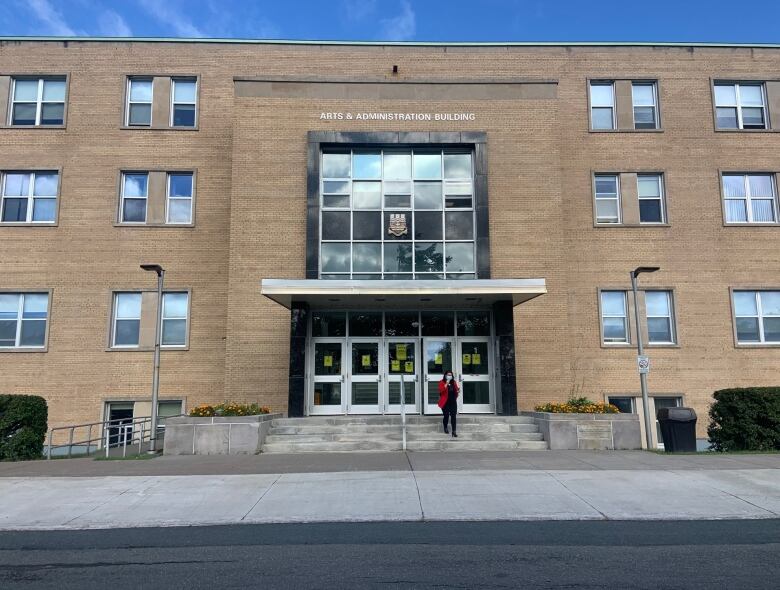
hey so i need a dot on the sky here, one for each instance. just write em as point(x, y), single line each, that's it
point(400, 20)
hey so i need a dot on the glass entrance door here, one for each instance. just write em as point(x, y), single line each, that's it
point(402, 368)
point(328, 373)
point(474, 374)
point(365, 377)
point(438, 358)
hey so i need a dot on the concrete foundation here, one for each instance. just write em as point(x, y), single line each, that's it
point(589, 431)
point(219, 435)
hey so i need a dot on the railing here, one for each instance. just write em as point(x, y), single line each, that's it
point(108, 434)
point(403, 414)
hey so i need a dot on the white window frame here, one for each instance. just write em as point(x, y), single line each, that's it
point(129, 102)
point(169, 198)
point(30, 197)
point(748, 198)
point(122, 198)
point(760, 317)
point(194, 103)
point(627, 328)
point(738, 104)
point(20, 319)
point(670, 317)
point(611, 84)
point(654, 86)
point(38, 101)
point(115, 318)
point(185, 317)
point(616, 198)
point(661, 196)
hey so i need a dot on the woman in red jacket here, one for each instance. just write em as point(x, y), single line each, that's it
point(448, 401)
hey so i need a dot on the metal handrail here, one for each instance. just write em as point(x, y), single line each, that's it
point(403, 414)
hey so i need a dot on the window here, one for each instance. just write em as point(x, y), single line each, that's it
point(179, 198)
point(29, 197)
point(23, 318)
point(38, 101)
point(624, 404)
point(127, 320)
point(397, 214)
point(643, 95)
point(174, 319)
point(614, 324)
point(602, 105)
point(135, 191)
point(660, 322)
point(184, 102)
point(663, 402)
point(651, 199)
point(139, 102)
point(740, 106)
point(607, 198)
point(757, 315)
point(749, 198)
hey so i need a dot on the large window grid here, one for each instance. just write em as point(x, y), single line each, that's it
point(134, 197)
point(174, 319)
point(364, 191)
point(38, 101)
point(140, 93)
point(126, 324)
point(179, 198)
point(740, 106)
point(399, 324)
point(660, 317)
point(23, 319)
point(650, 191)
point(607, 187)
point(184, 97)
point(757, 315)
point(29, 197)
point(602, 105)
point(614, 317)
point(749, 198)
point(645, 102)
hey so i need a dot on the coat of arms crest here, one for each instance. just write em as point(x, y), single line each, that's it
point(397, 225)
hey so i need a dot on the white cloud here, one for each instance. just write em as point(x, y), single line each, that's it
point(51, 18)
point(401, 27)
point(112, 24)
point(170, 15)
point(357, 10)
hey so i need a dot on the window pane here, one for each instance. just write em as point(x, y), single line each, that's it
point(427, 195)
point(26, 90)
point(725, 95)
point(9, 306)
point(606, 211)
point(180, 185)
point(606, 185)
point(141, 91)
point(127, 332)
point(335, 257)
point(14, 210)
point(135, 185)
point(17, 185)
point(460, 257)
point(179, 211)
point(328, 324)
point(398, 188)
point(52, 113)
point(140, 114)
point(770, 302)
point(771, 329)
point(473, 323)
point(366, 195)
point(624, 404)
point(184, 91)
point(134, 210)
point(747, 330)
point(427, 225)
point(650, 211)
point(751, 95)
point(367, 166)
point(367, 225)
point(745, 303)
point(427, 166)
point(459, 225)
point(614, 329)
point(657, 303)
point(175, 305)
point(398, 166)
point(24, 114)
point(760, 185)
point(428, 257)
point(601, 95)
point(734, 186)
point(457, 165)
point(45, 185)
point(335, 186)
point(33, 333)
point(602, 118)
point(753, 117)
point(736, 211)
point(398, 257)
point(335, 166)
point(401, 323)
point(727, 118)
point(335, 225)
point(365, 323)
point(457, 188)
point(174, 332)
point(44, 209)
point(613, 303)
point(439, 323)
point(366, 257)
point(128, 305)
point(659, 330)
point(35, 305)
point(184, 115)
point(644, 117)
point(643, 95)
point(335, 201)
point(398, 226)
point(649, 186)
point(763, 210)
point(7, 332)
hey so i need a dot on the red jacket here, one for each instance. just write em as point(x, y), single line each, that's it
point(443, 394)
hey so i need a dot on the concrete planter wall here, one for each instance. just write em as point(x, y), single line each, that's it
point(589, 431)
point(220, 435)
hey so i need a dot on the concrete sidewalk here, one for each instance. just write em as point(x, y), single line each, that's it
point(431, 487)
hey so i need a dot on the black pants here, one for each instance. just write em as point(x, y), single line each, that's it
point(451, 413)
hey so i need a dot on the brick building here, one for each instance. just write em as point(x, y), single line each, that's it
point(336, 217)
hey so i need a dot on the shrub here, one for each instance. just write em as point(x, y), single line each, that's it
point(229, 409)
point(578, 405)
point(745, 419)
point(23, 424)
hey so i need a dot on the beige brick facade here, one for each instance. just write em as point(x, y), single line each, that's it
point(249, 153)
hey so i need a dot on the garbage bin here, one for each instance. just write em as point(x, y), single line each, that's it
point(678, 429)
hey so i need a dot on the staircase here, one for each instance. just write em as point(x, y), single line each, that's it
point(326, 434)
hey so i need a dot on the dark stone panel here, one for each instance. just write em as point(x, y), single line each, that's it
point(505, 334)
point(299, 316)
point(483, 258)
point(312, 258)
point(414, 137)
point(480, 158)
point(473, 136)
point(482, 222)
point(446, 137)
point(480, 190)
point(366, 137)
point(313, 208)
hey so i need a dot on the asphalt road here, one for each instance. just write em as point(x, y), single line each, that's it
point(469, 555)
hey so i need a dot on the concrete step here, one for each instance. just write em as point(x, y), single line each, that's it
point(394, 419)
point(456, 444)
point(388, 428)
point(397, 436)
point(330, 447)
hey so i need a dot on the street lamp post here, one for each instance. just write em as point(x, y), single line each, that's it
point(156, 268)
point(640, 352)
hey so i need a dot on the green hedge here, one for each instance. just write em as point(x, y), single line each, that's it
point(23, 422)
point(745, 419)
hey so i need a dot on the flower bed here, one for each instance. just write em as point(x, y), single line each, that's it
point(228, 409)
point(578, 405)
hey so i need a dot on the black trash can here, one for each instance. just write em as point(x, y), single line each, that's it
point(678, 429)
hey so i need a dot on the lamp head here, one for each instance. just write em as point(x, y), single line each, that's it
point(639, 270)
point(153, 268)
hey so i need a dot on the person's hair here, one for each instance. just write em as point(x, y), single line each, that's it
point(444, 375)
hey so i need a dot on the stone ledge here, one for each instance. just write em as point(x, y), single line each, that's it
point(589, 431)
point(217, 435)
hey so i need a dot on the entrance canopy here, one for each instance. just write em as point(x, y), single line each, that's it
point(412, 294)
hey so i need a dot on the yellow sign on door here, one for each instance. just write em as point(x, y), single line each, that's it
point(409, 367)
point(437, 360)
point(395, 365)
point(400, 352)
point(327, 361)
point(466, 359)
point(476, 358)
point(366, 360)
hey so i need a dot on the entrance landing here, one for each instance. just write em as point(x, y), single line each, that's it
point(323, 434)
